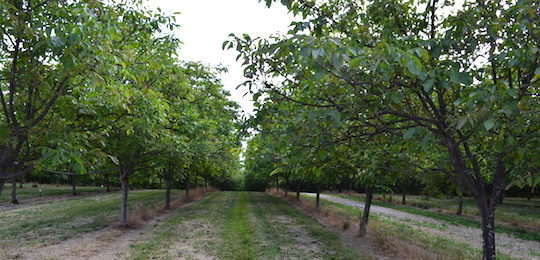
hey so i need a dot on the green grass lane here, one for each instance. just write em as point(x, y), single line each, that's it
point(240, 225)
point(30, 192)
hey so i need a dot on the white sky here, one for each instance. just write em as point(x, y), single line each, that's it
point(205, 24)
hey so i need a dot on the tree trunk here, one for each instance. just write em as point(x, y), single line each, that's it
point(14, 191)
point(107, 183)
point(365, 215)
point(168, 193)
point(187, 189)
point(21, 180)
point(57, 180)
point(298, 191)
point(73, 186)
point(460, 205)
point(403, 201)
point(124, 198)
point(286, 187)
point(317, 201)
point(488, 228)
point(2, 182)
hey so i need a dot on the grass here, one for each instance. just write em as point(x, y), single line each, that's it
point(514, 210)
point(240, 225)
point(30, 192)
point(396, 236)
point(50, 223)
point(454, 219)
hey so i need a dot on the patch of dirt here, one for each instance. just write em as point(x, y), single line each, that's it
point(506, 244)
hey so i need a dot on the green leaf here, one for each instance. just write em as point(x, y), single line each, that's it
point(415, 67)
point(488, 124)
point(428, 85)
point(461, 122)
point(114, 159)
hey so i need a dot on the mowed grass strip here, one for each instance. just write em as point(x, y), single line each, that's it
point(238, 232)
point(287, 233)
point(53, 222)
point(28, 191)
point(240, 225)
point(454, 219)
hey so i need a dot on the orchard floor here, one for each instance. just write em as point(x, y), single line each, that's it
point(470, 238)
point(222, 225)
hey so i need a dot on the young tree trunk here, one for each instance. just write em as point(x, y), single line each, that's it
point(187, 188)
point(317, 201)
point(298, 191)
point(73, 186)
point(124, 187)
point(168, 192)
point(2, 183)
point(107, 183)
point(365, 215)
point(286, 187)
point(14, 191)
point(488, 228)
point(403, 201)
point(460, 205)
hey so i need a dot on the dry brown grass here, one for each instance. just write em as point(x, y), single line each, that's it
point(382, 244)
point(143, 214)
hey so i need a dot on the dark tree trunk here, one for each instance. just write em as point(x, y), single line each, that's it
point(298, 191)
point(403, 201)
point(286, 187)
point(14, 191)
point(488, 228)
point(365, 215)
point(168, 193)
point(187, 188)
point(124, 187)
point(2, 183)
point(57, 180)
point(501, 198)
point(460, 205)
point(21, 181)
point(317, 200)
point(73, 186)
point(107, 183)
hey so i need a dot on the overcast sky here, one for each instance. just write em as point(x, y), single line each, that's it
point(205, 24)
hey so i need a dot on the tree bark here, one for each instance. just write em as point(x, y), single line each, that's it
point(107, 183)
point(124, 176)
point(317, 201)
point(73, 186)
point(2, 183)
point(14, 191)
point(365, 215)
point(286, 187)
point(168, 192)
point(187, 189)
point(460, 205)
point(488, 228)
point(298, 191)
